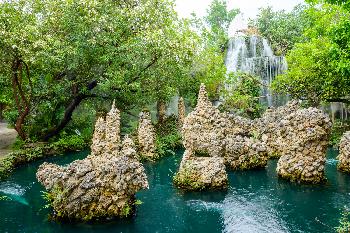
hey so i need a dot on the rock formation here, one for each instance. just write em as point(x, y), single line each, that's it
point(146, 137)
point(181, 112)
point(304, 139)
point(106, 138)
point(245, 153)
point(298, 136)
point(101, 186)
point(95, 188)
point(204, 128)
point(344, 153)
point(128, 147)
point(112, 137)
point(198, 173)
point(98, 138)
point(268, 125)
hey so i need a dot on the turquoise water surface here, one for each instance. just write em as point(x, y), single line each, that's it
point(256, 201)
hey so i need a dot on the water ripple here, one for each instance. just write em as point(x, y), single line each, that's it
point(14, 191)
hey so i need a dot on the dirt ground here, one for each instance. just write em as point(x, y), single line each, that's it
point(7, 138)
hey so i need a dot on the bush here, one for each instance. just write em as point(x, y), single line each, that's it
point(40, 150)
point(168, 136)
point(338, 129)
point(70, 142)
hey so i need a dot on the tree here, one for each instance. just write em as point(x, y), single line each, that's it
point(244, 97)
point(209, 62)
point(78, 50)
point(343, 3)
point(319, 69)
point(282, 29)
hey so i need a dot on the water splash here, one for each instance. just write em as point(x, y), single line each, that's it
point(245, 213)
point(332, 161)
point(14, 191)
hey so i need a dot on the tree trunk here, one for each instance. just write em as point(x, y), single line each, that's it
point(22, 101)
point(69, 112)
point(161, 110)
point(2, 106)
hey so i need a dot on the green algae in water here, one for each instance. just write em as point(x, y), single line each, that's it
point(256, 201)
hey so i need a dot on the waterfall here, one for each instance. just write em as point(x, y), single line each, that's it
point(253, 55)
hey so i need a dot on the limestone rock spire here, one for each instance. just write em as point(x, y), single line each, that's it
point(113, 141)
point(181, 112)
point(146, 136)
point(98, 138)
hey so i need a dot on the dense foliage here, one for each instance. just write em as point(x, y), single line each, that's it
point(168, 136)
point(209, 64)
point(243, 96)
point(319, 68)
point(282, 29)
point(56, 55)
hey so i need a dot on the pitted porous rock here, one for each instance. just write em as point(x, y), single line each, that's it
point(106, 138)
point(98, 187)
point(98, 139)
point(128, 147)
point(239, 126)
point(204, 129)
point(101, 186)
point(304, 139)
point(146, 136)
point(112, 137)
point(181, 112)
point(268, 125)
point(245, 153)
point(344, 153)
point(198, 173)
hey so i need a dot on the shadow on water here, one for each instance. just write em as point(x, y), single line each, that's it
point(256, 201)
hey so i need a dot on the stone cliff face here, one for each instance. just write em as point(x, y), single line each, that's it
point(101, 186)
point(344, 153)
point(146, 137)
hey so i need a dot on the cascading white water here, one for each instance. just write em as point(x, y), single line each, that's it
point(254, 55)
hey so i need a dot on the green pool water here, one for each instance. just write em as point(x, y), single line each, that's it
point(256, 201)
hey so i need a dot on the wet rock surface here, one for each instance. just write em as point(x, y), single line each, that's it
point(344, 153)
point(101, 186)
